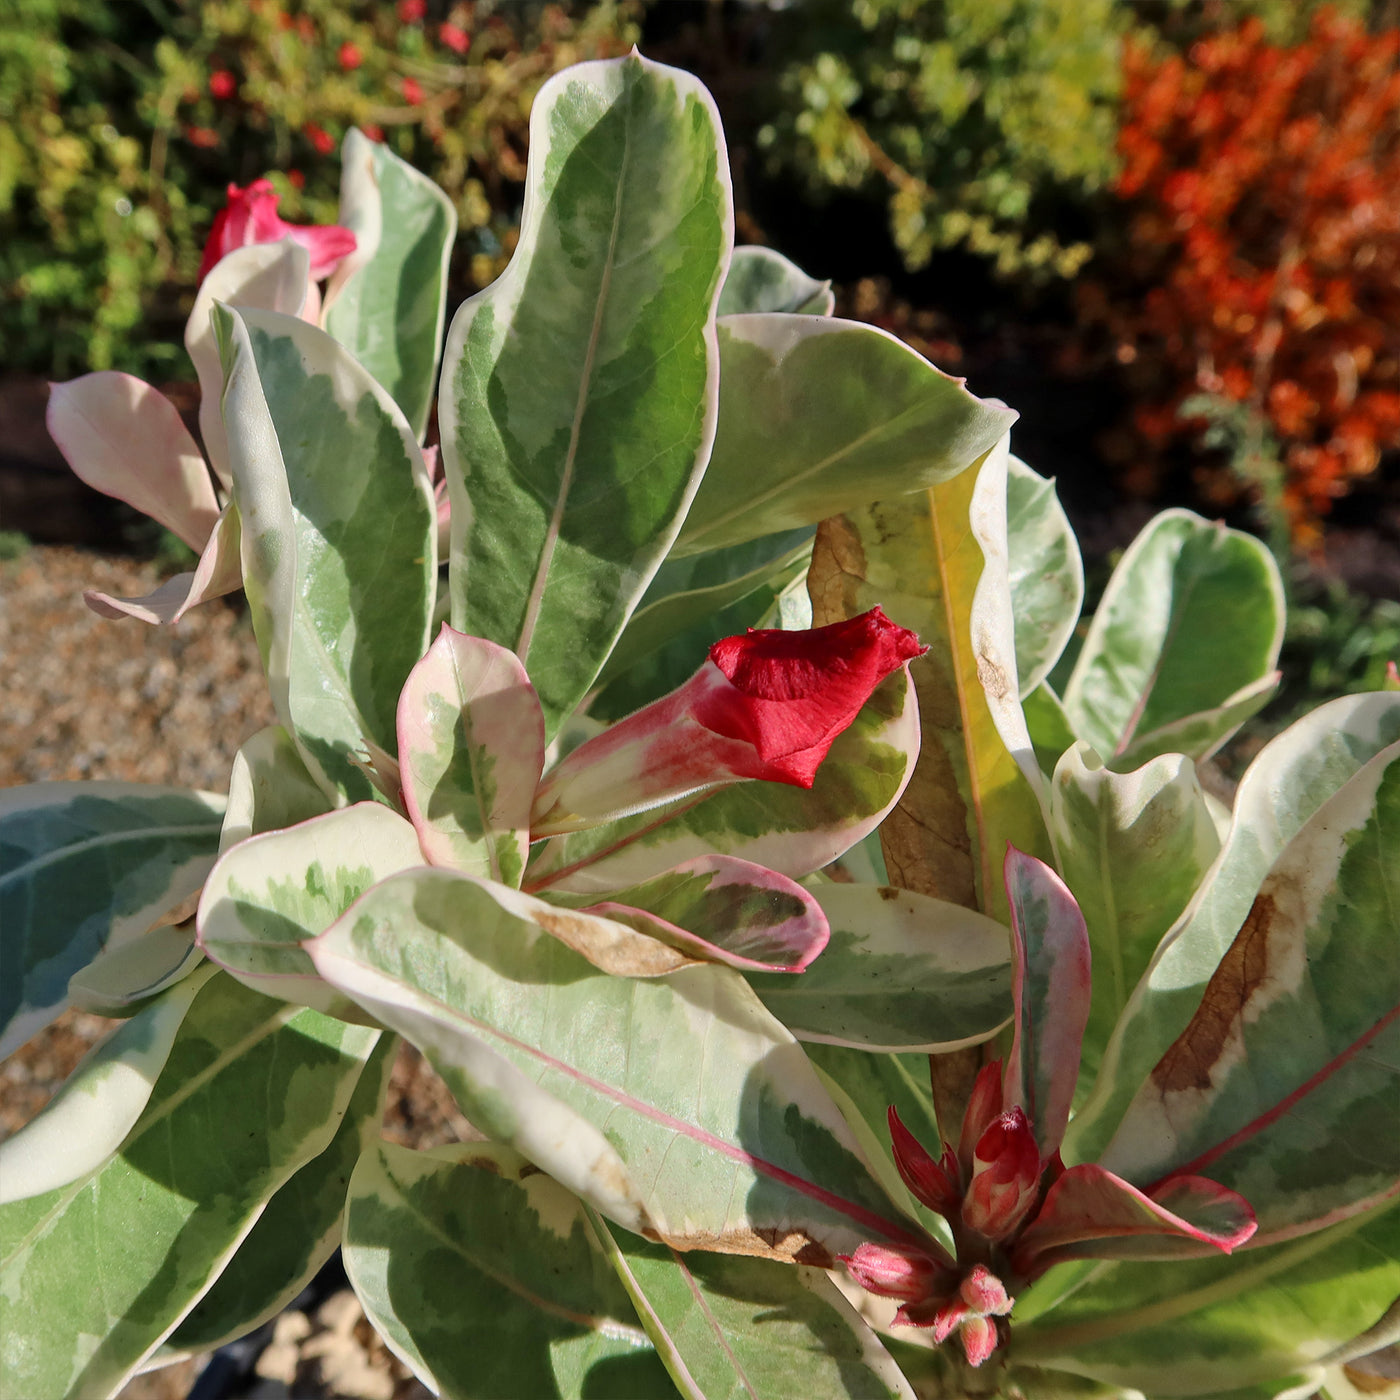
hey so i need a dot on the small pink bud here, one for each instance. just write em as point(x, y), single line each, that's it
point(984, 1292)
point(896, 1272)
point(936, 1184)
point(454, 37)
point(979, 1339)
point(1005, 1177)
point(983, 1107)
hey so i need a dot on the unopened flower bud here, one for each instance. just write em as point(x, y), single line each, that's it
point(1005, 1177)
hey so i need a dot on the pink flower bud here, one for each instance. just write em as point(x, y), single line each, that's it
point(983, 1108)
point(250, 216)
point(766, 705)
point(936, 1184)
point(454, 37)
point(984, 1292)
point(978, 1336)
point(222, 84)
point(1005, 1177)
point(897, 1272)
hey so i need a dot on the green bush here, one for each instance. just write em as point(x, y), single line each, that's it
point(966, 111)
point(121, 125)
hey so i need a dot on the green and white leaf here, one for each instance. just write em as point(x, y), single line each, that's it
point(733, 1328)
point(486, 1277)
point(389, 307)
point(1285, 1087)
point(251, 1090)
point(298, 1230)
point(1134, 847)
point(1289, 780)
point(120, 981)
point(270, 893)
point(1190, 624)
point(1048, 726)
point(1047, 573)
point(761, 279)
point(818, 416)
point(673, 1104)
point(471, 750)
point(579, 390)
point(902, 972)
point(1206, 1327)
point(269, 788)
point(339, 538)
point(88, 866)
point(99, 1102)
point(690, 604)
point(788, 829)
point(268, 276)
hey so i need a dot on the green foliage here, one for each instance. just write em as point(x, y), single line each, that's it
point(121, 125)
point(966, 111)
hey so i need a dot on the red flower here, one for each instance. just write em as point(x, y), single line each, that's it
point(412, 91)
point(203, 137)
point(222, 85)
point(350, 56)
point(766, 705)
point(454, 37)
point(319, 137)
point(411, 11)
point(250, 216)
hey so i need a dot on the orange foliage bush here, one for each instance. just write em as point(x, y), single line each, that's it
point(1265, 228)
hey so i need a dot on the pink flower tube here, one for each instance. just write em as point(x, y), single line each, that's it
point(251, 216)
point(766, 705)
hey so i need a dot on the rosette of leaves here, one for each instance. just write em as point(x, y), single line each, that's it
point(641, 428)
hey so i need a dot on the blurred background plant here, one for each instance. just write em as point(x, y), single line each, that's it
point(122, 125)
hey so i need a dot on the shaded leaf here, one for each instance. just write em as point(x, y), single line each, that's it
point(761, 279)
point(83, 867)
point(1190, 622)
point(817, 416)
point(486, 1277)
point(901, 972)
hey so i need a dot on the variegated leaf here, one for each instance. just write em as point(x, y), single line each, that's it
point(87, 1120)
point(88, 866)
point(339, 538)
point(925, 559)
point(819, 415)
point(1134, 847)
point(730, 1328)
point(1183, 645)
point(718, 1132)
point(1050, 985)
point(389, 306)
point(267, 276)
point(762, 279)
point(298, 1230)
point(471, 750)
point(251, 1090)
point(1285, 1086)
point(270, 893)
point(579, 389)
point(901, 972)
point(487, 1278)
point(1293, 775)
point(269, 788)
point(722, 910)
point(1047, 573)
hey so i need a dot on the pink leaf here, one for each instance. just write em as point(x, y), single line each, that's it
point(127, 440)
point(219, 571)
point(1050, 987)
point(1090, 1213)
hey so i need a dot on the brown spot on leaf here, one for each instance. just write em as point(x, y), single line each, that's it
point(837, 572)
point(613, 947)
point(1191, 1058)
point(992, 677)
point(888, 892)
point(786, 1246)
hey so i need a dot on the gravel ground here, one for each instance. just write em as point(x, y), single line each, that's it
point(87, 698)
